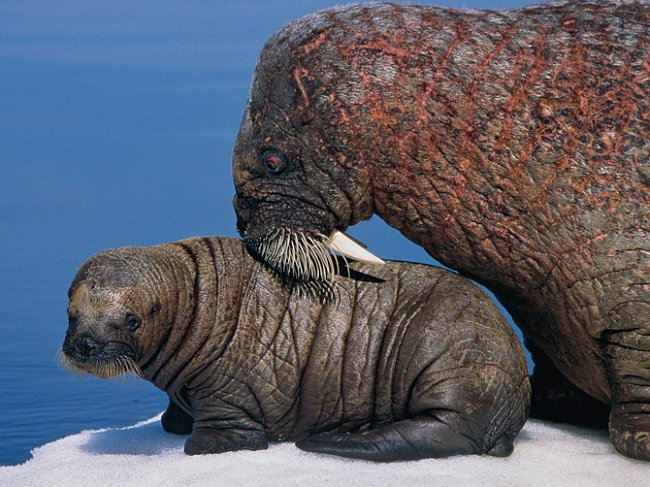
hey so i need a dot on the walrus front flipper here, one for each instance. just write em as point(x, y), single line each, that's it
point(628, 362)
point(176, 420)
point(206, 441)
point(412, 439)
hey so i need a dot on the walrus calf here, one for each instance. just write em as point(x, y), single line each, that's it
point(513, 145)
point(413, 362)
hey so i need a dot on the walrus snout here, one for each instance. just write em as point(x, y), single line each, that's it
point(84, 354)
point(81, 348)
point(244, 208)
point(87, 346)
point(257, 217)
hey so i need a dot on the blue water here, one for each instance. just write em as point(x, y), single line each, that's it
point(117, 121)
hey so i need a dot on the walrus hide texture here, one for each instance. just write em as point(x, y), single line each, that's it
point(407, 361)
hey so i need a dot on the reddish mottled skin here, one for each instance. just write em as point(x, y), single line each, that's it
point(512, 145)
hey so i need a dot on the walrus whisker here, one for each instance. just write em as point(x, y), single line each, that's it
point(128, 366)
point(303, 262)
point(133, 367)
point(336, 263)
point(306, 247)
point(304, 257)
point(328, 265)
point(118, 366)
point(298, 255)
point(136, 368)
point(121, 365)
point(308, 264)
point(68, 365)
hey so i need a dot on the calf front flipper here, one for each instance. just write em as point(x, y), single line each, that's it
point(206, 441)
point(411, 439)
point(176, 420)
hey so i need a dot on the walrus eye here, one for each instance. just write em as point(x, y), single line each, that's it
point(273, 161)
point(132, 323)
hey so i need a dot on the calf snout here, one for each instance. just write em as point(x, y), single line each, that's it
point(86, 346)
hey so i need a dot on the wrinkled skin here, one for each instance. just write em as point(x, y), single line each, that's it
point(408, 361)
point(512, 145)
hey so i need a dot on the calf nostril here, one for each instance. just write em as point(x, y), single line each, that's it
point(87, 346)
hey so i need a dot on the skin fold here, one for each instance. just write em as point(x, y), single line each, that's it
point(512, 145)
point(408, 361)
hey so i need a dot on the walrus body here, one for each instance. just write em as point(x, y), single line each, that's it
point(512, 145)
point(420, 365)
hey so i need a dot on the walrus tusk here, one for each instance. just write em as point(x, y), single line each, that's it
point(340, 243)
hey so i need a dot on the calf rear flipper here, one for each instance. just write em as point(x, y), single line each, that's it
point(411, 439)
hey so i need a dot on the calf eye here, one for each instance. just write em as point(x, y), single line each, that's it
point(132, 323)
point(273, 161)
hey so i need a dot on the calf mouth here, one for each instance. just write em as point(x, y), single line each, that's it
point(84, 355)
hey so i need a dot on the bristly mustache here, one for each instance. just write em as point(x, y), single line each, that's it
point(307, 264)
point(116, 366)
point(303, 263)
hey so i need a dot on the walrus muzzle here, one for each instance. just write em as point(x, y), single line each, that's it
point(84, 354)
point(300, 255)
point(306, 263)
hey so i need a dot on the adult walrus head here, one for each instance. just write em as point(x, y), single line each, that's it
point(414, 362)
point(298, 179)
point(514, 146)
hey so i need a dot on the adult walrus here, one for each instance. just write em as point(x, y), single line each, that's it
point(420, 365)
point(512, 145)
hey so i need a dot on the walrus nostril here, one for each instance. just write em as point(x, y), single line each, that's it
point(241, 225)
point(244, 212)
point(86, 346)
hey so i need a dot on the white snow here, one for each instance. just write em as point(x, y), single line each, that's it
point(144, 455)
